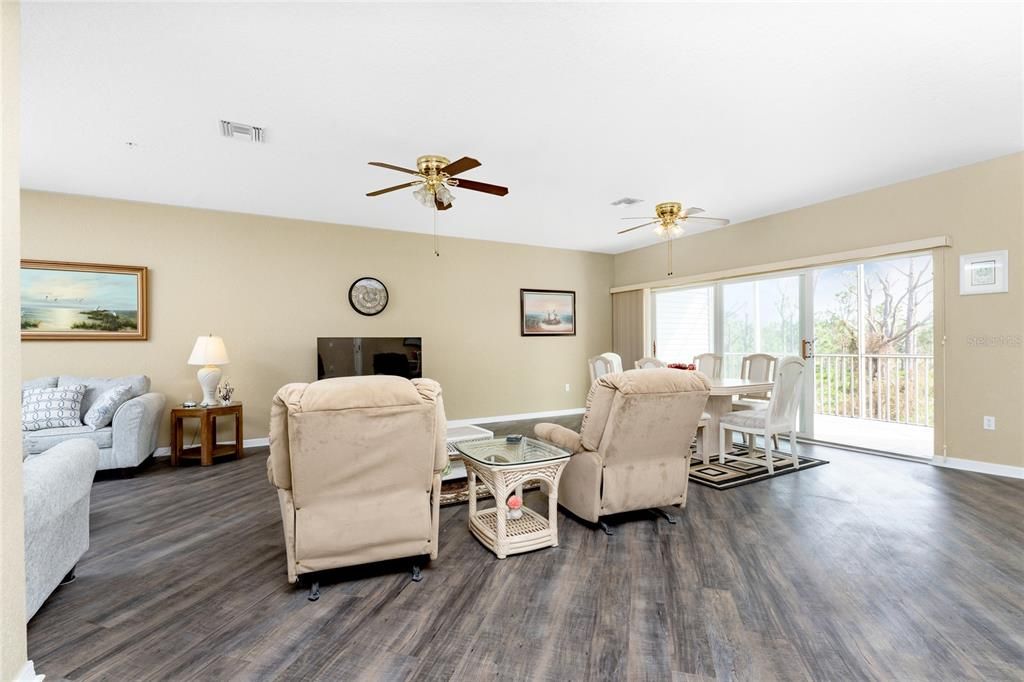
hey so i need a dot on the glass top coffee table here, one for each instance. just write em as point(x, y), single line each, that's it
point(504, 467)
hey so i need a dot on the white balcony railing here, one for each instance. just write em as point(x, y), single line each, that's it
point(897, 388)
point(894, 388)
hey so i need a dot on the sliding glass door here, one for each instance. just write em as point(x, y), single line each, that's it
point(760, 316)
point(874, 364)
point(869, 382)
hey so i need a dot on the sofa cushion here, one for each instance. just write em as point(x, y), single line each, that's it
point(41, 382)
point(103, 408)
point(96, 386)
point(49, 408)
point(35, 442)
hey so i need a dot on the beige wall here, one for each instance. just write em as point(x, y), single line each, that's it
point(270, 286)
point(981, 207)
point(12, 534)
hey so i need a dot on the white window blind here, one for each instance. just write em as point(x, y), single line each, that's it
point(683, 323)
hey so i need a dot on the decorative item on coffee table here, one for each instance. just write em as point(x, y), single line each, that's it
point(504, 467)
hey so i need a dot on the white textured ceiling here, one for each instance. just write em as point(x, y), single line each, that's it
point(744, 110)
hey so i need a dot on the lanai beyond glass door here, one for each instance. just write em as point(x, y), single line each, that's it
point(874, 361)
point(870, 380)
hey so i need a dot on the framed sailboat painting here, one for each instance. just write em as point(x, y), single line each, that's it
point(547, 312)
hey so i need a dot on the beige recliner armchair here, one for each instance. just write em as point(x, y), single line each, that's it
point(357, 465)
point(633, 450)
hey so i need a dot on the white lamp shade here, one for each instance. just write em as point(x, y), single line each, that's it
point(209, 350)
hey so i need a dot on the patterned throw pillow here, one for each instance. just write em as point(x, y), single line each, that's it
point(101, 413)
point(51, 408)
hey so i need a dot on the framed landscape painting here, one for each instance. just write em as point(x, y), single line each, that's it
point(78, 301)
point(545, 312)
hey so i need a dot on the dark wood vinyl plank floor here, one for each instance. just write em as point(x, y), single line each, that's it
point(867, 568)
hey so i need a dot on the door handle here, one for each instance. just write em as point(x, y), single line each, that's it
point(806, 349)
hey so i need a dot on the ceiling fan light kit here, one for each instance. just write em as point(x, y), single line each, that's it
point(436, 175)
point(669, 219)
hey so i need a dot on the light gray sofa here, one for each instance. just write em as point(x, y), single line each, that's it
point(57, 484)
point(127, 442)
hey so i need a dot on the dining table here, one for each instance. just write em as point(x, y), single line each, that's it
point(720, 404)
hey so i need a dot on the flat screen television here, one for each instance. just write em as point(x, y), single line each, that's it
point(364, 355)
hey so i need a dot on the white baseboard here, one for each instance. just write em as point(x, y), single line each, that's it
point(515, 417)
point(247, 443)
point(28, 673)
point(979, 467)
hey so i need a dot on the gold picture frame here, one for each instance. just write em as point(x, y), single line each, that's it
point(63, 301)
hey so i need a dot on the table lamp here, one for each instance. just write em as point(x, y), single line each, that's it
point(209, 352)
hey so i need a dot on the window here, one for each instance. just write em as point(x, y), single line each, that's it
point(759, 316)
point(683, 323)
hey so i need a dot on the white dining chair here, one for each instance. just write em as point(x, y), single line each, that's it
point(777, 418)
point(701, 438)
point(649, 363)
point(605, 363)
point(755, 367)
point(709, 364)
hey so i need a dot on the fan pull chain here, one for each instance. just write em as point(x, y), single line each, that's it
point(436, 252)
point(670, 240)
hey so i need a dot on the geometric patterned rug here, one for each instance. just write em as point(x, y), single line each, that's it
point(712, 475)
point(734, 473)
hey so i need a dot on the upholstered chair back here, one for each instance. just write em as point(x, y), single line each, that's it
point(605, 363)
point(758, 367)
point(356, 461)
point(638, 426)
point(709, 364)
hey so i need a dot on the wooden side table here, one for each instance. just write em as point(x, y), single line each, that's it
point(208, 448)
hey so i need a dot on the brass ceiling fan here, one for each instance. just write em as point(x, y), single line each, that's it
point(671, 217)
point(435, 174)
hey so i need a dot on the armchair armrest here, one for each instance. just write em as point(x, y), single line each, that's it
point(56, 479)
point(567, 439)
point(136, 426)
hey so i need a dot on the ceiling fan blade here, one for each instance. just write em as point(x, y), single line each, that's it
point(460, 166)
point(640, 217)
point(392, 189)
point(482, 187)
point(721, 222)
point(441, 206)
point(380, 164)
point(630, 229)
point(692, 211)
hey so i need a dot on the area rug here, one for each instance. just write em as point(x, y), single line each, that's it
point(456, 491)
point(712, 475)
point(734, 473)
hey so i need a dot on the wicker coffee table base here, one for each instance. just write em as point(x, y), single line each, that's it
point(531, 531)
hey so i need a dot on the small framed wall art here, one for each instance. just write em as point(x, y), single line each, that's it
point(83, 301)
point(546, 312)
point(984, 273)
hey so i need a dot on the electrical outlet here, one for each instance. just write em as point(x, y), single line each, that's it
point(989, 423)
point(567, 388)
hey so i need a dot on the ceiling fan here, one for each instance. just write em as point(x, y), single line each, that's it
point(435, 174)
point(670, 217)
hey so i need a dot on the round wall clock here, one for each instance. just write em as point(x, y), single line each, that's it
point(368, 296)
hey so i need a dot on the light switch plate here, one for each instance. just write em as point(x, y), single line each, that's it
point(989, 423)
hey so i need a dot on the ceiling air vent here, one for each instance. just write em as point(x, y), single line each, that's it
point(626, 201)
point(241, 130)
